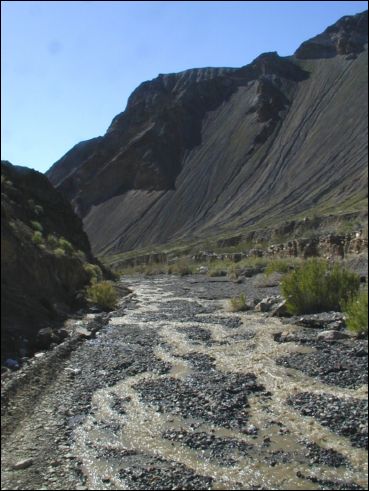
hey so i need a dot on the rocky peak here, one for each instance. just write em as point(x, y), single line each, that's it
point(346, 37)
point(225, 147)
point(144, 146)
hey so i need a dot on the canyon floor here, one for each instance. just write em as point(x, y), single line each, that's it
point(173, 391)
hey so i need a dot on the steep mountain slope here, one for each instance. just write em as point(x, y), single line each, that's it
point(215, 150)
point(44, 252)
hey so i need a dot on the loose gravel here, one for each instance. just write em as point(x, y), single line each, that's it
point(346, 417)
point(170, 369)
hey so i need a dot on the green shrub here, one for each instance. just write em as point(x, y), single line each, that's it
point(356, 312)
point(66, 246)
point(37, 238)
point(238, 304)
point(52, 241)
point(94, 271)
point(37, 226)
point(80, 254)
point(103, 294)
point(318, 286)
point(59, 252)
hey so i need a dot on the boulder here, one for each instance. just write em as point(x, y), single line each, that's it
point(23, 464)
point(280, 310)
point(83, 332)
point(332, 335)
point(45, 337)
point(325, 320)
point(267, 303)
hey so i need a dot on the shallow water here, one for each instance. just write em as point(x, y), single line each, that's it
point(111, 440)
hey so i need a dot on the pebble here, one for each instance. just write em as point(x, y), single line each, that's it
point(23, 464)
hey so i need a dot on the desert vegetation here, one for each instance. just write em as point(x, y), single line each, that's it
point(94, 271)
point(238, 304)
point(356, 312)
point(103, 294)
point(318, 286)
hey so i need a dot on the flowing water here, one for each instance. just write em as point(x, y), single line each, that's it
point(173, 417)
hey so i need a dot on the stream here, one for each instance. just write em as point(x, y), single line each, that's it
point(176, 392)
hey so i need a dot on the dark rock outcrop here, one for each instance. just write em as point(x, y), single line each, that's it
point(216, 150)
point(346, 37)
point(43, 250)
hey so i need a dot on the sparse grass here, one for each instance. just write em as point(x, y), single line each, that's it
point(185, 266)
point(238, 304)
point(103, 294)
point(282, 265)
point(243, 246)
point(233, 272)
point(219, 268)
point(182, 267)
point(356, 312)
point(318, 286)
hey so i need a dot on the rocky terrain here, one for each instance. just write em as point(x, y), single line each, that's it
point(173, 388)
point(224, 150)
point(44, 251)
point(173, 391)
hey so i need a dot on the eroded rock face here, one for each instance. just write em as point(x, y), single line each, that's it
point(207, 151)
point(39, 279)
point(345, 37)
point(145, 145)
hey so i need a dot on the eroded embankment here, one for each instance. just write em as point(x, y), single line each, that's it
point(177, 393)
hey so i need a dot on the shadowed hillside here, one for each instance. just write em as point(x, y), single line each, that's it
point(44, 254)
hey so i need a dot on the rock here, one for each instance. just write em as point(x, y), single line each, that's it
point(284, 337)
point(266, 304)
point(263, 306)
point(83, 332)
point(332, 335)
point(11, 363)
point(62, 334)
point(45, 337)
point(73, 371)
point(361, 352)
point(42, 282)
point(23, 464)
point(280, 310)
point(321, 320)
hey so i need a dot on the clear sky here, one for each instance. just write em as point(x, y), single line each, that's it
point(68, 67)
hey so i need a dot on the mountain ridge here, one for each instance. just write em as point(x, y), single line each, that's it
point(219, 149)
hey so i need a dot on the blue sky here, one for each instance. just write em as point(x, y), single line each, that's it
point(68, 67)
